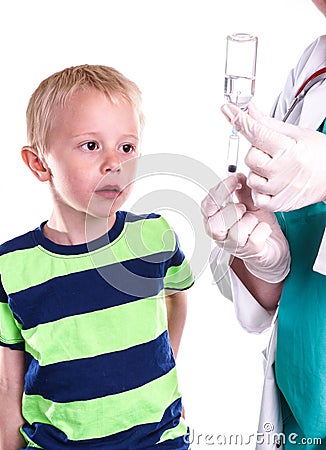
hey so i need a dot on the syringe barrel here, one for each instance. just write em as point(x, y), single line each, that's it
point(233, 152)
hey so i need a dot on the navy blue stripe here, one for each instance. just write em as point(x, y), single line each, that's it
point(103, 375)
point(19, 346)
point(178, 255)
point(107, 238)
point(3, 294)
point(22, 242)
point(90, 290)
point(131, 217)
point(121, 218)
point(141, 437)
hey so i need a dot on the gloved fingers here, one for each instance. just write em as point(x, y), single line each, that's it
point(256, 182)
point(258, 237)
point(274, 175)
point(291, 197)
point(259, 162)
point(259, 135)
point(263, 201)
point(254, 112)
point(266, 173)
point(271, 187)
point(218, 196)
point(218, 225)
point(239, 233)
point(288, 129)
point(276, 185)
point(316, 139)
point(243, 193)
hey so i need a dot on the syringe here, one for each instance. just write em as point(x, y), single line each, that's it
point(233, 151)
point(239, 85)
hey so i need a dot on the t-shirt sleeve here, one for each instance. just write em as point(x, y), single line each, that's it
point(10, 334)
point(179, 275)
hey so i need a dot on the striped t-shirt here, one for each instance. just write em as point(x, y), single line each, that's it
point(92, 320)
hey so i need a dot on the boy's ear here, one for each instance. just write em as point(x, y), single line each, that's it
point(36, 165)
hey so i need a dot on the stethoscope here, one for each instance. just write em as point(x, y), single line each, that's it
point(319, 75)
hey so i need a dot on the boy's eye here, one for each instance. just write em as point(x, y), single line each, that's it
point(90, 146)
point(127, 148)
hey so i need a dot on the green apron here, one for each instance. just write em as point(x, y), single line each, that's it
point(301, 343)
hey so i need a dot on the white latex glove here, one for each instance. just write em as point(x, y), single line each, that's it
point(245, 231)
point(287, 163)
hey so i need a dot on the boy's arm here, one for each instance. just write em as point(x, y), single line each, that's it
point(176, 304)
point(12, 370)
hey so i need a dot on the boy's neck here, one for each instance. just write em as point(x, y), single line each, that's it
point(66, 232)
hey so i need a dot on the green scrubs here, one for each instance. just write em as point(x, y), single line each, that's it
point(301, 343)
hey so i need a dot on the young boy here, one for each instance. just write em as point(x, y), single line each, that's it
point(86, 330)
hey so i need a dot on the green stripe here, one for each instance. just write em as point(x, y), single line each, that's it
point(179, 277)
point(9, 329)
point(140, 239)
point(150, 236)
point(116, 329)
point(174, 433)
point(104, 416)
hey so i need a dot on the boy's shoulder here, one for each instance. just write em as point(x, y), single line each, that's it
point(29, 240)
point(21, 242)
point(151, 221)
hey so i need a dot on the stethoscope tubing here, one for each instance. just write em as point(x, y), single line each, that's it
point(317, 76)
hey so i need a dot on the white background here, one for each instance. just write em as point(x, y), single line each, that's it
point(174, 50)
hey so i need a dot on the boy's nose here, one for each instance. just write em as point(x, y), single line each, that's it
point(111, 162)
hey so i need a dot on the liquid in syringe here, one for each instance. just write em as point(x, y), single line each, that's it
point(239, 90)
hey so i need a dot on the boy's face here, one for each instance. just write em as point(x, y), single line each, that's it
point(91, 154)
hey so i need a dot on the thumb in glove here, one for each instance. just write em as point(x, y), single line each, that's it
point(286, 162)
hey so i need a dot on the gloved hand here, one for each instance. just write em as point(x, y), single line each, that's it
point(287, 163)
point(245, 231)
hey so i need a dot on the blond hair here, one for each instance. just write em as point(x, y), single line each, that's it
point(54, 91)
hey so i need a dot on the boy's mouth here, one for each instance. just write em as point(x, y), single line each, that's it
point(110, 191)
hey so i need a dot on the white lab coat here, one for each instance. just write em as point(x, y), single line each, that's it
point(252, 316)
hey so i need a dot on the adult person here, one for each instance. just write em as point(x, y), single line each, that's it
point(287, 173)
